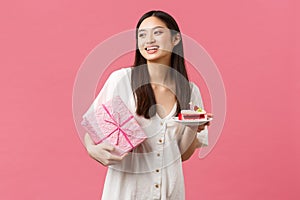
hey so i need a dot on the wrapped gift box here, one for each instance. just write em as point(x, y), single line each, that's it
point(113, 123)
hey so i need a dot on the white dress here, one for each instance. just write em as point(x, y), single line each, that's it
point(153, 170)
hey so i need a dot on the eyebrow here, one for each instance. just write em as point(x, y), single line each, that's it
point(151, 28)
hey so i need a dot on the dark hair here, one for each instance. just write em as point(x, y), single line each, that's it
point(140, 79)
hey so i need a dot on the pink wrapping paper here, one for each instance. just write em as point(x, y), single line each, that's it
point(113, 123)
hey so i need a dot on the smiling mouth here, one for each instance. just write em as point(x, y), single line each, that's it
point(152, 48)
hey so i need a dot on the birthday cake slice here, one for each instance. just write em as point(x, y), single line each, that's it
point(195, 114)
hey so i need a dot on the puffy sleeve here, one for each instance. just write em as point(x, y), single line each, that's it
point(197, 100)
point(111, 88)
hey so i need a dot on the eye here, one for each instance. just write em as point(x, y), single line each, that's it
point(142, 35)
point(158, 32)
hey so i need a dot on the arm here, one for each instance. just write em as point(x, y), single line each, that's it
point(195, 144)
point(101, 152)
point(189, 152)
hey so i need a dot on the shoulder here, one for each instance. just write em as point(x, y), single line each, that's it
point(193, 87)
point(195, 93)
point(119, 74)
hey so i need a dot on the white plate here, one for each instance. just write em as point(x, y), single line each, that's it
point(192, 122)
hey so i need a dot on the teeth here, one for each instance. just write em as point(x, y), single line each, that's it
point(151, 48)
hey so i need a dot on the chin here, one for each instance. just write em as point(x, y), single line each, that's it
point(156, 57)
point(151, 57)
point(157, 60)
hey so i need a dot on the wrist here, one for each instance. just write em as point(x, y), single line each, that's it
point(89, 144)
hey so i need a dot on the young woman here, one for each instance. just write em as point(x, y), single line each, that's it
point(155, 89)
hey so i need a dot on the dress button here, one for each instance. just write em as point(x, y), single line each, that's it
point(157, 170)
point(158, 154)
point(156, 185)
point(161, 123)
point(160, 140)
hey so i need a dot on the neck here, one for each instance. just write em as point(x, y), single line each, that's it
point(159, 73)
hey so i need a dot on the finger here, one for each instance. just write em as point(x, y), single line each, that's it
point(124, 155)
point(107, 158)
point(209, 115)
point(107, 147)
point(115, 158)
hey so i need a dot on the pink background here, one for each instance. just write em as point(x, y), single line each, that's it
point(254, 44)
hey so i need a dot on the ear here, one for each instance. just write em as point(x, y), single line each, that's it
point(176, 39)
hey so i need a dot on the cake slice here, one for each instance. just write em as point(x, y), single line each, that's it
point(192, 114)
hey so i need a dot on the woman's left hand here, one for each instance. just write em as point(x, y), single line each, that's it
point(202, 127)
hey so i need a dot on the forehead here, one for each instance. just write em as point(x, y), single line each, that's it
point(152, 22)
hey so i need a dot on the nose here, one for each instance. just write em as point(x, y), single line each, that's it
point(150, 39)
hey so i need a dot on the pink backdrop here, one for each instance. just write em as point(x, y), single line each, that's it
point(254, 43)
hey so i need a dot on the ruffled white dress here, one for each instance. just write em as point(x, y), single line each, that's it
point(153, 170)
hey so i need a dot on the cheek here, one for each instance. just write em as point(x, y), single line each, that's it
point(141, 41)
point(165, 41)
point(140, 46)
point(167, 46)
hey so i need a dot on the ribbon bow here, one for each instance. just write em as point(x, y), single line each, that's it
point(118, 128)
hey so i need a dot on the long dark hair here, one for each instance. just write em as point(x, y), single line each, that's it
point(140, 78)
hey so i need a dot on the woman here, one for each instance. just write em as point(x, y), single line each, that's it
point(155, 89)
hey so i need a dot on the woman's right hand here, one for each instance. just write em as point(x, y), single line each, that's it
point(101, 152)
